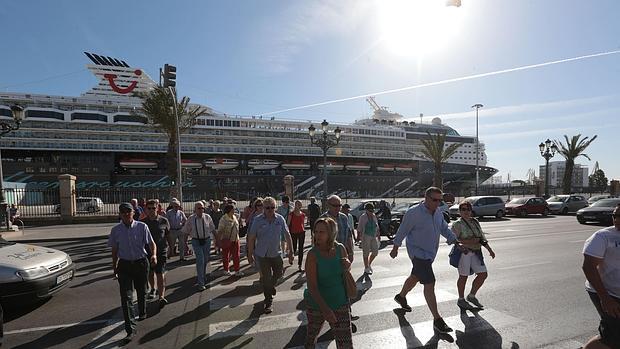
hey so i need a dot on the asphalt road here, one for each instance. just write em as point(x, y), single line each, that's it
point(534, 298)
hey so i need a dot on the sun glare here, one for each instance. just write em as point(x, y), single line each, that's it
point(417, 27)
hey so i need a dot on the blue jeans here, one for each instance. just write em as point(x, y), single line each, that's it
point(202, 259)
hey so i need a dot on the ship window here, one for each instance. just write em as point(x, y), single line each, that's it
point(89, 116)
point(129, 118)
point(6, 112)
point(218, 123)
point(45, 114)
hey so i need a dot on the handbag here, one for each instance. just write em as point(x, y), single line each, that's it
point(349, 284)
point(225, 243)
point(455, 256)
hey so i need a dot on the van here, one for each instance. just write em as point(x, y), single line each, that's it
point(482, 206)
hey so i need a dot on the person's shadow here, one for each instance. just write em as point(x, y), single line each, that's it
point(414, 342)
point(478, 333)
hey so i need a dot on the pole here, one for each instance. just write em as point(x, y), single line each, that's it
point(477, 151)
point(546, 177)
point(324, 177)
point(3, 203)
point(176, 123)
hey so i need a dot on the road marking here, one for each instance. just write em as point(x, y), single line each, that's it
point(232, 302)
point(538, 235)
point(523, 265)
point(419, 334)
point(245, 281)
point(565, 344)
point(54, 327)
point(576, 241)
point(293, 320)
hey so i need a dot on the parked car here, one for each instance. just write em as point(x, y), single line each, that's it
point(523, 206)
point(86, 204)
point(564, 204)
point(32, 272)
point(600, 211)
point(482, 206)
point(599, 197)
point(401, 209)
point(356, 211)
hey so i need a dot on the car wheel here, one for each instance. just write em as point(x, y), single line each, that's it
point(581, 221)
point(545, 212)
point(499, 214)
point(565, 210)
point(522, 213)
point(91, 210)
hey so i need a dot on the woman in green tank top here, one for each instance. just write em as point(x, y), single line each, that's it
point(326, 295)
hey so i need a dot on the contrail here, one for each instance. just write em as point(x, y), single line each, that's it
point(442, 82)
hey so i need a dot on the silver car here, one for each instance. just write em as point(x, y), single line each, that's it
point(564, 204)
point(31, 271)
point(482, 206)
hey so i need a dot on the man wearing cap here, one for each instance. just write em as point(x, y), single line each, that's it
point(344, 230)
point(130, 262)
point(177, 220)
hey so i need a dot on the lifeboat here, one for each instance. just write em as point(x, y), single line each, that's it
point(295, 165)
point(263, 164)
point(191, 164)
point(385, 168)
point(358, 167)
point(137, 163)
point(403, 168)
point(332, 167)
point(221, 164)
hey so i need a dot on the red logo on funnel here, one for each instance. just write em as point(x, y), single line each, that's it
point(118, 89)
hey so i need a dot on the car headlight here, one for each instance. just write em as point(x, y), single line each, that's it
point(33, 273)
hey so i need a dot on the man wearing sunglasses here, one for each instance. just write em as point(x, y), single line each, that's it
point(422, 225)
point(160, 229)
point(601, 266)
point(345, 232)
point(264, 237)
point(130, 261)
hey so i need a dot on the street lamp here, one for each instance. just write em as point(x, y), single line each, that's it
point(547, 151)
point(325, 142)
point(477, 106)
point(5, 127)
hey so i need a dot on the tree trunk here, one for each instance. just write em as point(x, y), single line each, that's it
point(567, 181)
point(438, 177)
point(171, 163)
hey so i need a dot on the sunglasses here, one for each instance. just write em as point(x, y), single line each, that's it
point(200, 208)
point(465, 209)
point(126, 211)
point(259, 205)
point(269, 207)
point(435, 200)
point(335, 205)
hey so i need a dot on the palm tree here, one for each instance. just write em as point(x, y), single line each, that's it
point(570, 151)
point(436, 152)
point(157, 106)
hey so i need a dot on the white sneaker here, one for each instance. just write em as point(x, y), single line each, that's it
point(369, 270)
point(228, 273)
point(239, 274)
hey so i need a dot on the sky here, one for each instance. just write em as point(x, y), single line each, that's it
point(261, 57)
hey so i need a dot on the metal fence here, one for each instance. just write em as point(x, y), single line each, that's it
point(33, 202)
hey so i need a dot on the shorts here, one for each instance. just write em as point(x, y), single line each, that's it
point(370, 244)
point(470, 262)
point(423, 270)
point(608, 327)
point(160, 267)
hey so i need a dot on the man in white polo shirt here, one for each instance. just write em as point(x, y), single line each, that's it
point(601, 265)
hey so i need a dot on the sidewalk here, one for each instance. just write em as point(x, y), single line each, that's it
point(60, 232)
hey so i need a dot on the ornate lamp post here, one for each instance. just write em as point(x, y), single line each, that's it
point(547, 151)
point(324, 141)
point(477, 106)
point(5, 127)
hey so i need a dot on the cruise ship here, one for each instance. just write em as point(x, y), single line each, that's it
point(101, 138)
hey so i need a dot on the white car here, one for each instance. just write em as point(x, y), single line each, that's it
point(33, 272)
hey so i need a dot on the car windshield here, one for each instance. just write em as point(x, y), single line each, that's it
point(606, 203)
point(557, 199)
point(402, 207)
point(518, 201)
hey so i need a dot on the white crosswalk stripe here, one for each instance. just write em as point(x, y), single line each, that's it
point(293, 320)
point(566, 344)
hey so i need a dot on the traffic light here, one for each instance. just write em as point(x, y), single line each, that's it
point(170, 75)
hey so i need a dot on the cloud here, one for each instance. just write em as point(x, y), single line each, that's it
point(298, 25)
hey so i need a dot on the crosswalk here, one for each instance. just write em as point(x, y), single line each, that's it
point(380, 323)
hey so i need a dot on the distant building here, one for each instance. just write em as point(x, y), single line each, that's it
point(556, 174)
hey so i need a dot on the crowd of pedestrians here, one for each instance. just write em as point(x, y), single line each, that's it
point(147, 237)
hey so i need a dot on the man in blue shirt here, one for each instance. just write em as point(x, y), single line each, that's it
point(422, 225)
point(345, 231)
point(264, 236)
point(130, 261)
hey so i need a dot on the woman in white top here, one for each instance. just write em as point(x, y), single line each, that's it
point(368, 229)
point(201, 228)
